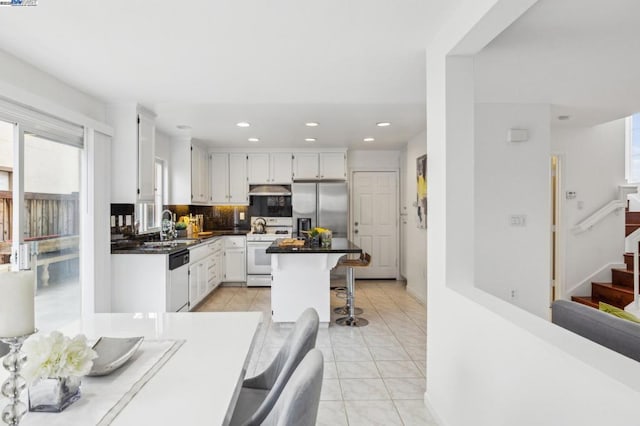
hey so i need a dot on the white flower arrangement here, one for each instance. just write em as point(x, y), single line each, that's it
point(57, 356)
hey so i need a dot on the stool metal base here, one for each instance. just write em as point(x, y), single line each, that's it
point(344, 310)
point(352, 322)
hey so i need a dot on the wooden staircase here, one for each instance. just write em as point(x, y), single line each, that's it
point(619, 292)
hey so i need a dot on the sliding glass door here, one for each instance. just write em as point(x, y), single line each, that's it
point(40, 218)
point(52, 227)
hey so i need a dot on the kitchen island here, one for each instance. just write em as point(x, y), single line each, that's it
point(301, 278)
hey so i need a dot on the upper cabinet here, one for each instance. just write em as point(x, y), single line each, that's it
point(266, 168)
point(228, 178)
point(323, 166)
point(132, 153)
point(199, 175)
point(189, 172)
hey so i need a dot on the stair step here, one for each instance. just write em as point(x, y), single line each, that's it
point(632, 217)
point(616, 295)
point(629, 228)
point(586, 300)
point(628, 260)
point(622, 277)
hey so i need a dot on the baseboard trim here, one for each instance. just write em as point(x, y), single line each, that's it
point(432, 411)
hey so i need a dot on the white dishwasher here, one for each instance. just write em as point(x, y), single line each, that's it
point(178, 293)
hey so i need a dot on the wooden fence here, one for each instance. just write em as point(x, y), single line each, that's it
point(46, 214)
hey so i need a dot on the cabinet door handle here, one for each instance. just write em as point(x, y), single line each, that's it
point(355, 231)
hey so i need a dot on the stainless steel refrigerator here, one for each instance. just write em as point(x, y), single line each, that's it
point(325, 203)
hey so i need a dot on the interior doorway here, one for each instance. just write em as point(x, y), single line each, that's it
point(374, 222)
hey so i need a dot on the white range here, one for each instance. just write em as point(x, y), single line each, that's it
point(264, 231)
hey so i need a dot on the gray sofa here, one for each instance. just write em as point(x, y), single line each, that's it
point(617, 334)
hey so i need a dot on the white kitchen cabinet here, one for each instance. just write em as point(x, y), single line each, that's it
point(306, 165)
point(319, 166)
point(199, 175)
point(258, 168)
point(333, 165)
point(197, 282)
point(228, 178)
point(235, 259)
point(132, 153)
point(266, 168)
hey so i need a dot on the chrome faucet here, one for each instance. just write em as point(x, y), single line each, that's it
point(168, 227)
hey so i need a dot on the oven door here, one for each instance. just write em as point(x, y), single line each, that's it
point(258, 261)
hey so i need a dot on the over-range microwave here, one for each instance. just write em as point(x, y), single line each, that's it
point(270, 201)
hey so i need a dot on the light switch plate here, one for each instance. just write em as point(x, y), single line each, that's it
point(518, 220)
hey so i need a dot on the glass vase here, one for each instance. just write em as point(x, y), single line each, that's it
point(325, 239)
point(54, 395)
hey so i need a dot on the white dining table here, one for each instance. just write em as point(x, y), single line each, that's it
point(200, 382)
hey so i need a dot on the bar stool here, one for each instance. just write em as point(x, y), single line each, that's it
point(351, 320)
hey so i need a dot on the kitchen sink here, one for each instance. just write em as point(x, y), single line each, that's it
point(171, 243)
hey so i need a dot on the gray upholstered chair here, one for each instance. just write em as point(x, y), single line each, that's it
point(260, 393)
point(298, 403)
point(4, 349)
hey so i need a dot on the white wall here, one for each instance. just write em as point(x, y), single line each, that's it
point(374, 160)
point(592, 165)
point(415, 244)
point(163, 146)
point(35, 88)
point(513, 178)
point(488, 361)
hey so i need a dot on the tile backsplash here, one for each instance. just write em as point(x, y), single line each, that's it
point(216, 217)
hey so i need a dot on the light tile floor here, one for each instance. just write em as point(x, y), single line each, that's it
point(374, 375)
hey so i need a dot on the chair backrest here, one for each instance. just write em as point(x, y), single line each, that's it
point(297, 344)
point(298, 403)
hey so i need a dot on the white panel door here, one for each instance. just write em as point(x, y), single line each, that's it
point(375, 223)
point(281, 167)
point(219, 167)
point(333, 165)
point(258, 168)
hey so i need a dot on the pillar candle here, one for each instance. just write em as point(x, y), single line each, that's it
point(17, 291)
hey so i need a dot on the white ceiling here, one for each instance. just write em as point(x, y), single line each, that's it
point(276, 64)
point(581, 56)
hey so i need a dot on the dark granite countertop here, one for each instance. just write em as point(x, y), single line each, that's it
point(338, 245)
point(179, 243)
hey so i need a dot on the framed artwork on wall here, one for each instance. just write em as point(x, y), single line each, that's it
point(421, 200)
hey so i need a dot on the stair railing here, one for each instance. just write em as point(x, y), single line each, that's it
point(607, 209)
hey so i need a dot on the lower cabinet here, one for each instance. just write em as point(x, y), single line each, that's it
point(205, 270)
point(235, 259)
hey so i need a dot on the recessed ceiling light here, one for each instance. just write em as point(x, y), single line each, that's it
point(243, 124)
point(253, 140)
point(383, 124)
point(183, 127)
point(311, 124)
point(564, 117)
point(310, 139)
point(368, 139)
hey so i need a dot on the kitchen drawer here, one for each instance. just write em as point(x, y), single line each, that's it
point(198, 253)
point(234, 242)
